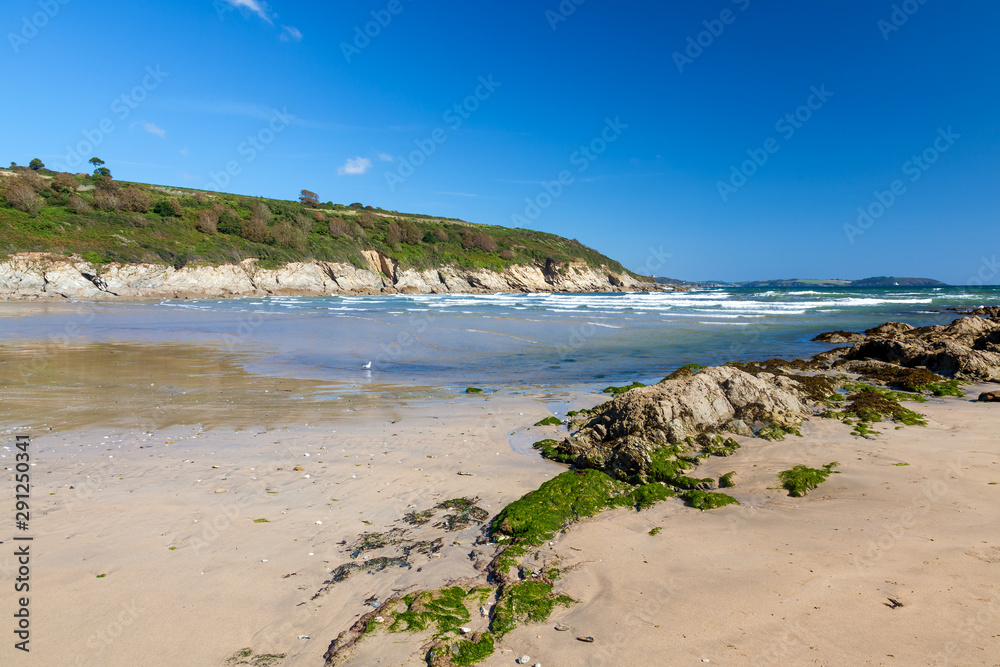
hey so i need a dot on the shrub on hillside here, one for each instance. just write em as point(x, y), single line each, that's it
point(208, 222)
point(77, 205)
point(319, 216)
point(507, 254)
point(168, 208)
point(394, 235)
point(287, 235)
point(138, 220)
point(338, 227)
point(31, 180)
point(229, 220)
point(135, 200)
point(23, 198)
point(410, 233)
point(440, 234)
point(480, 241)
point(255, 229)
point(63, 182)
point(106, 200)
point(366, 219)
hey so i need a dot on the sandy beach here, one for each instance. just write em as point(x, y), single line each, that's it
point(184, 534)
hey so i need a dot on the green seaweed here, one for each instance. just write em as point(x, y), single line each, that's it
point(445, 609)
point(568, 497)
point(527, 601)
point(549, 421)
point(465, 652)
point(707, 500)
point(726, 481)
point(685, 371)
point(550, 449)
point(473, 390)
point(656, 531)
point(665, 464)
point(621, 390)
point(777, 432)
point(647, 495)
point(873, 406)
point(716, 446)
point(801, 479)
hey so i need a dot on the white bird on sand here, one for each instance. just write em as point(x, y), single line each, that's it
point(367, 366)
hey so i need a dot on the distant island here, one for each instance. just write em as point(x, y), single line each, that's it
point(878, 281)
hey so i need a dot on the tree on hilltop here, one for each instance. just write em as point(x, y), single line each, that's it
point(36, 164)
point(310, 198)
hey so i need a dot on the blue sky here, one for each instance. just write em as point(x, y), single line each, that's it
point(658, 133)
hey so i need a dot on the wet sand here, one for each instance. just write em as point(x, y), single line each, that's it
point(191, 575)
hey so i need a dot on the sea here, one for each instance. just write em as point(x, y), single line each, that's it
point(500, 342)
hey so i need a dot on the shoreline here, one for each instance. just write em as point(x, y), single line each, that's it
point(909, 518)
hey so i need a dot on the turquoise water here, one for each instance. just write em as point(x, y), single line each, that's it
point(505, 341)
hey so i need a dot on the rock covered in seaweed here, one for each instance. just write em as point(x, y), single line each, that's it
point(967, 349)
point(622, 436)
point(836, 337)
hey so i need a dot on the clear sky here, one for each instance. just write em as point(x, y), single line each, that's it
point(723, 139)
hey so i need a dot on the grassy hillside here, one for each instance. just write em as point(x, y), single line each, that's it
point(105, 220)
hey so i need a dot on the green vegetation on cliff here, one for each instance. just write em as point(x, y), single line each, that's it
point(104, 221)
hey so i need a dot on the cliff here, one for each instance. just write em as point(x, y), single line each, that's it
point(26, 276)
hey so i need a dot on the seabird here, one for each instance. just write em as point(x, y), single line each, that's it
point(367, 366)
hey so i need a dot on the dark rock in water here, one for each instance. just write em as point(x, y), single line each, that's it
point(990, 312)
point(626, 436)
point(990, 397)
point(967, 349)
point(890, 330)
point(839, 337)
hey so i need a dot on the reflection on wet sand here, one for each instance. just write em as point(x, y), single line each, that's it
point(152, 386)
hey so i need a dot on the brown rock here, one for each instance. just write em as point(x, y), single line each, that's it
point(990, 397)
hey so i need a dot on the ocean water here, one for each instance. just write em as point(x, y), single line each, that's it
point(503, 341)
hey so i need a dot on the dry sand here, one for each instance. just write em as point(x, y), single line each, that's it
point(191, 577)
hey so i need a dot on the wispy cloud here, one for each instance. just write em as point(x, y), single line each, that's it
point(185, 151)
point(152, 128)
point(355, 166)
point(290, 34)
point(385, 157)
point(259, 8)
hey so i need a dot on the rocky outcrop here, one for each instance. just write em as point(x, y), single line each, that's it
point(623, 435)
point(41, 275)
point(967, 349)
point(836, 337)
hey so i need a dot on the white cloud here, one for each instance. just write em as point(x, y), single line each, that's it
point(258, 8)
point(355, 166)
point(185, 151)
point(152, 128)
point(385, 157)
point(290, 33)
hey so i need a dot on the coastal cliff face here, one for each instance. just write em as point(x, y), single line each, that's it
point(26, 276)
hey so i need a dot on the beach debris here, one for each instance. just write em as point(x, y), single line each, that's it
point(298, 468)
point(379, 619)
point(304, 637)
point(562, 628)
point(466, 474)
point(893, 603)
point(215, 467)
point(588, 640)
point(319, 523)
point(483, 611)
point(523, 660)
point(221, 490)
point(465, 630)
